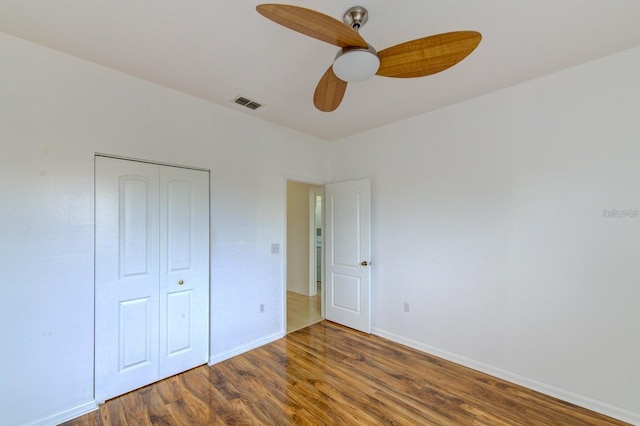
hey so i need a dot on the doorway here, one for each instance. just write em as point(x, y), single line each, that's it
point(304, 252)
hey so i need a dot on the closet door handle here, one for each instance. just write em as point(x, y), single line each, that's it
point(180, 282)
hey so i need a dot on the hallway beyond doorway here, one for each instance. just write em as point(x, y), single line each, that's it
point(302, 311)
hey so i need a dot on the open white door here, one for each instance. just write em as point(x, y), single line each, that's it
point(348, 251)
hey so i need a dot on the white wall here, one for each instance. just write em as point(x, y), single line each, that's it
point(55, 113)
point(487, 219)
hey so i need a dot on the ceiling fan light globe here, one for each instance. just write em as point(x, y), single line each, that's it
point(356, 64)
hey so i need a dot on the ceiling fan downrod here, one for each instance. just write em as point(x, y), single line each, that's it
point(356, 17)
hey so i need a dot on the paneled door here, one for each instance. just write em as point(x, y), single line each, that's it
point(184, 269)
point(152, 273)
point(347, 245)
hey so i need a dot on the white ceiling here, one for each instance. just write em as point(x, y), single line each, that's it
point(219, 49)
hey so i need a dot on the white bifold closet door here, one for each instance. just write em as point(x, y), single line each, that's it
point(152, 273)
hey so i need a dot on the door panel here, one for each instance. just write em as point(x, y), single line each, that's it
point(179, 322)
point(179, 223)
point(348, 254)
point(346, 292)
point(134, 232)
point(134, 344)
point(346, 228)
point(126, 276)
point(184, 269)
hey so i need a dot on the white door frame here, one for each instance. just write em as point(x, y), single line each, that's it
point(313, 258)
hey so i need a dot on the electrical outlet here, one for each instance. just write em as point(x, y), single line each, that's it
point(407, 307)
point(275, 248)
point(262, 308)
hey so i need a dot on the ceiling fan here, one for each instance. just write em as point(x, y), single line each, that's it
point(357, 60)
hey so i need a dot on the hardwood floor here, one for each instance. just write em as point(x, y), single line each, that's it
point(302, 311)
point(327, 374)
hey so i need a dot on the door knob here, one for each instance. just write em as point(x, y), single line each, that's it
point(180, 282)
point(364, 263)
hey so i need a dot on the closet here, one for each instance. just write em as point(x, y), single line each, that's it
point(151, 273)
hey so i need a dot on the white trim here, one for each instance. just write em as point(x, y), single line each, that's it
point(66, 415)
point(303, 179)
point(285, 255)
point(158, 163)
point(313, 287)
point(564, 395)
point(245, 348)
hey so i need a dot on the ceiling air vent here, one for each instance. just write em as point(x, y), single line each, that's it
point(247, 102)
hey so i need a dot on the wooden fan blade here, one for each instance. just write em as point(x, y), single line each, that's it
point(329, 92)
point(312, 23)
point(427, 55)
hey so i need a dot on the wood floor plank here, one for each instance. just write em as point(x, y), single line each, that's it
point(135, 409)
point(153, 403)
point(327, 374)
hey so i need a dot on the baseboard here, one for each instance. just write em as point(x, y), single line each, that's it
point(66, 415)
point(214, 359)
point(573, 398)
